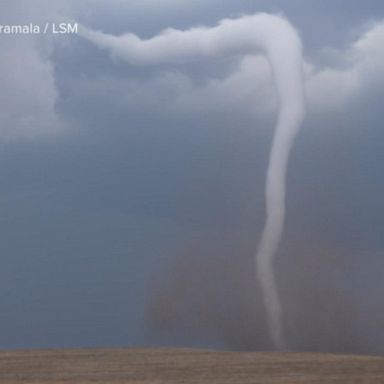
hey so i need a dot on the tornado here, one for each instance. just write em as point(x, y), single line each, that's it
point(277, 39)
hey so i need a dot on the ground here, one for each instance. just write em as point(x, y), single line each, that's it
point(146, 366)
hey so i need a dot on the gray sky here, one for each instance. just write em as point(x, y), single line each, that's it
point(132, 198)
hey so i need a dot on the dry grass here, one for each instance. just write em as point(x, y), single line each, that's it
point(146, 366)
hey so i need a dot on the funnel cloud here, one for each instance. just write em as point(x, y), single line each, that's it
point(277, 39)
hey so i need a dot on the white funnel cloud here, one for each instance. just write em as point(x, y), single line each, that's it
point(278, 40)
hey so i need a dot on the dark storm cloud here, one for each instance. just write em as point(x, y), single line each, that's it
point(153, 197)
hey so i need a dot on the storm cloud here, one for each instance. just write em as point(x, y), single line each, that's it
point(154, 185)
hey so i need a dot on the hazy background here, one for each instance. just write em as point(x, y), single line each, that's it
point(131, 199)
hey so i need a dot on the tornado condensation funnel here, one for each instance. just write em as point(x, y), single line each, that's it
point(278, 40)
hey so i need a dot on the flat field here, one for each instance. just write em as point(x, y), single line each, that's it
point(169, 365)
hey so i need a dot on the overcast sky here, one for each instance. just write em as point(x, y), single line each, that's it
point(132, 197)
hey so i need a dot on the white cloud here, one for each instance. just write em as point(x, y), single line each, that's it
point(28, 93)
point(369, 54)
point(359, 68)
point(362, 71)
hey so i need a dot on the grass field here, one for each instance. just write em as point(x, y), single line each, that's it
point(185, 366)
